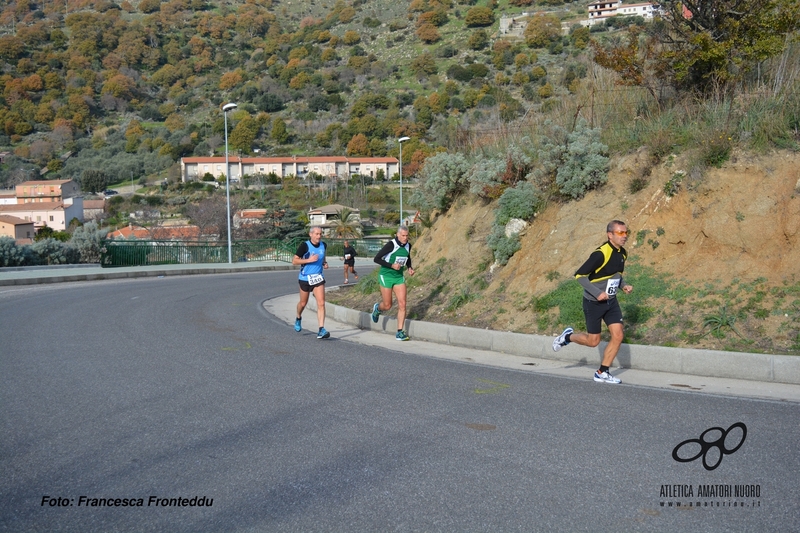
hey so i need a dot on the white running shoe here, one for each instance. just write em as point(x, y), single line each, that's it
point(605, 377)
point(559, 341)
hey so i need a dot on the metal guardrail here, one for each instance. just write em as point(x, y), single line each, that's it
point(154, 252)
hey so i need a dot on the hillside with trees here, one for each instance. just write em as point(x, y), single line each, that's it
point(131, 87)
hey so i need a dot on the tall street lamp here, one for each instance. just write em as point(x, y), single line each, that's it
point(401, 140)
point(225, 109)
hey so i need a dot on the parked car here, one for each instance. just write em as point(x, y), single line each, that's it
point(110, 192)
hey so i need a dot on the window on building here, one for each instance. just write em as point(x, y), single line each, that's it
point(51, 218)
point(38, 218)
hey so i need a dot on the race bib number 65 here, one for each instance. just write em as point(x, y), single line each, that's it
point(612, 286)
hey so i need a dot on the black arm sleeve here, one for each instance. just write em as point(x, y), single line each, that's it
point(302, 250)
point(387, 249)
point(591, 264)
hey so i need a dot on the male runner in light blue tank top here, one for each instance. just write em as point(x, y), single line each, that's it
point(310, 256)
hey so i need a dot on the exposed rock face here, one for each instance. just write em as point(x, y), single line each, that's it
point(742, 220)
point(515, 226)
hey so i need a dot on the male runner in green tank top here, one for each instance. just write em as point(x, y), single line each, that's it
point(394, 258)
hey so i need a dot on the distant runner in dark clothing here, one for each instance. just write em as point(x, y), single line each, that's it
point(349, 254)
point(601, 279)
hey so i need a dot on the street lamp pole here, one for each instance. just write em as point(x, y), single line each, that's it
point(225, 109)
point(401, 140)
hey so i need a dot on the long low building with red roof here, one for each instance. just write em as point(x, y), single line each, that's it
point(162, 233)
point(194, 168)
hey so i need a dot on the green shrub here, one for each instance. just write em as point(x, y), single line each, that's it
point(55, 252)
point(574, 161)
point(521, 201)
point(585, 165)
point(13, 255)
point(672, 186)
point(490, 175)
point(484, 176)
point(717, 150)
point(177, 200)
point(88, 241)
point(442, 179)
point(502, 246)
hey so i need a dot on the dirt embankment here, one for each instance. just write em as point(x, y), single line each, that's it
point(728, 242)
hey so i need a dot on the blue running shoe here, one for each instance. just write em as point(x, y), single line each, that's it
point(323, 333)
point(375, 313)
point(297, 326)
point(401, 336)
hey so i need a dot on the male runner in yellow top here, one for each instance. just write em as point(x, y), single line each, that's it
point(601, 278)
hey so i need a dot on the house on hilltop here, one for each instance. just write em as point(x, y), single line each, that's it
point(93, 209)
point(47, 191)
point(52, 203)
point(55, 215)
point(600, 11)
point(22, 231)
point(327, 217)
point(194, 168)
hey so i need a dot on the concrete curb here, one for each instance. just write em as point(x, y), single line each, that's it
point(709, 363)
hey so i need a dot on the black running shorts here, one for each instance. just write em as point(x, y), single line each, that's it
point(305, 287)
point(608, 311)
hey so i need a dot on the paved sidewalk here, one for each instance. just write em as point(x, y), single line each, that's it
point(356, 326)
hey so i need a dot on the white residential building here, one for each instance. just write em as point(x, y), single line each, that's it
point(194, 168)
point(600, 11)
point(51, 203)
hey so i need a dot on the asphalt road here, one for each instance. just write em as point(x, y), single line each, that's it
point(184, 387)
